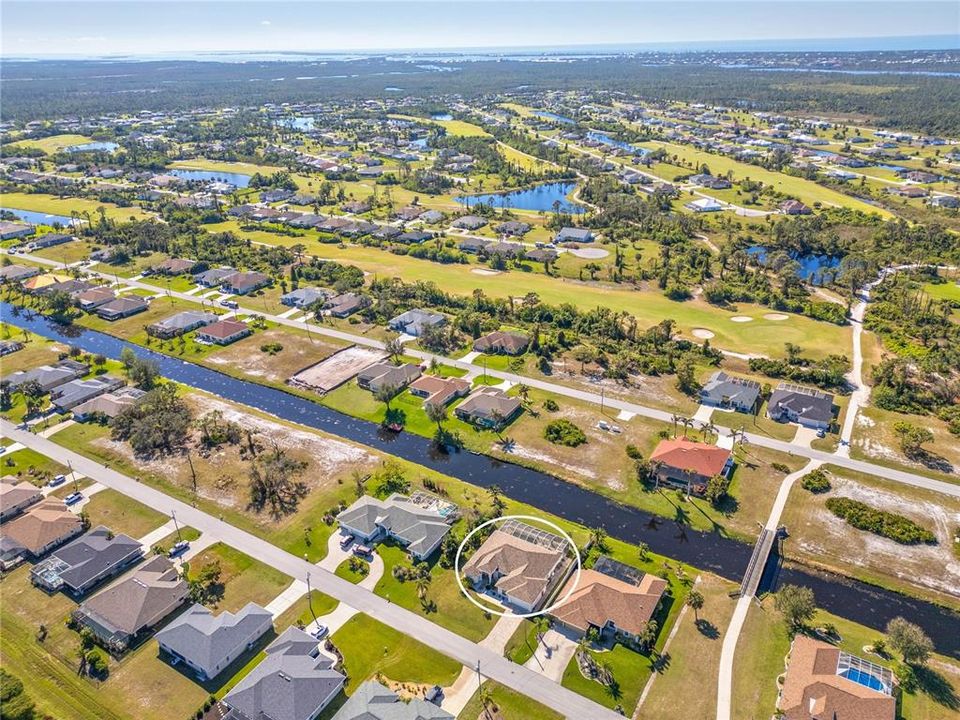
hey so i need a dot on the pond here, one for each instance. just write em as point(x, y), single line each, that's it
point(812, 267)
point(236, 179)
point(441, 116)
point(92, 146)
point(39, 218)
point(297, 123)
point(553, 116)
point(613, 142)
point(713, 551)
point(539, 197)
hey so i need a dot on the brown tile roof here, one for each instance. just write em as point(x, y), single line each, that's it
point(224, 329)
point(14, 492)
point(46, 522)
point(439, 389)
point(599, 598)
point(525, 567)
point(812, 689)
point(684, 454)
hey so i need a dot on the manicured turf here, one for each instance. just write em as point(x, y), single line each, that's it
point(522, 644)
point(346, 572)
point(943, 291)
point(762, 645)
point(123, 515)
point(630, 672)
point(28, 464)
point(243, 168)
point(53, 143)
point(370, 647)
point(57, 206)
point(453, 127)
point(509, 705)
point(244, 579)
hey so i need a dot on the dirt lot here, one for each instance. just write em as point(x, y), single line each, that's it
point(298, 352)
point(820, 538)
point(336, 369)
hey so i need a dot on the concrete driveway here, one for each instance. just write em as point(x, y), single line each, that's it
point(553, 654)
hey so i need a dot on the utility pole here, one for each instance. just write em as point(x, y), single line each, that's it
point(73, 476)
point(310, 602)
point(173, 515)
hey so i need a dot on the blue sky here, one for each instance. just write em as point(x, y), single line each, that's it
point(147, 27)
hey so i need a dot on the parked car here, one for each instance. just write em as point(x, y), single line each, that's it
point(345, 541)
point(362, 551)
point(57, 480)
point(319, 631)
point(73, 498)
point(232, 304)
point(821, 433)
point(178, 548)
point(434, 695)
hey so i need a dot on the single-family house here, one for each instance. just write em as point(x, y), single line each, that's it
point(704, 205)
point(543, 255)
point(823, 682)
point(688, 464)
point(501, 342)
point(612, 606)
point(209, 643)
point(243, 283)
point(488, 407)
point(46, 525)
point(17, 273)
point(119, 614)
point(418, 528)
point(345, 304)
point(795, 403)
point(292, 682)
point(574, 234)
point(410, 212)
point(108, 405)
point(413, 237)
point(513, 227)
point(412, 322)
point(437, 390)
point(48, 376)
point(469, 222)
point(304, 297)
point(794, 207)
point(181, 323)
point(87, 561)
point(16, 496)
point(15, 230)
point(383, 375)
point(373, 701)
point(728, 391)
point(174, 266)
point(945, 201)
point(223, 332)
point(518, 564)
point(122, 307)
point(69, 395)
point(711, 181)
point(92, 298)
point(473, 245)
point(214, 276)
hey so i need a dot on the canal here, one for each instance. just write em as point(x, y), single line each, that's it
point(727, 557)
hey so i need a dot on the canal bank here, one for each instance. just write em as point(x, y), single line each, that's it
point(724, 556)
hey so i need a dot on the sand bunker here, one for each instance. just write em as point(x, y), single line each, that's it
point(484, 271)
point(702, 333)
point(741, 318)
point(589, 253)
point(776, 316)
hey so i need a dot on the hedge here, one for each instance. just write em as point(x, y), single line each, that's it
point(886, 524)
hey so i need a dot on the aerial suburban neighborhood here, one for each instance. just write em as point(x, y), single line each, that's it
point(513, 369)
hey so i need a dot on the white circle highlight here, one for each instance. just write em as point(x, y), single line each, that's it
point(500, 613)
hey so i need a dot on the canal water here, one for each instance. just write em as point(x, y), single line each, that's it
point(613, 142)
point(540, 197)
point(847, 598)
point(39, 218)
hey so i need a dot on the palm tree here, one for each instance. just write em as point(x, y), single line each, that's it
point(598, 537)
point(496, 499)
point(394, 349)
point(486, 699)
point(676, 419)
point(436, 412)
point(648, 636)
point(695, 601)
point(642, 551)
point(687, 424)
point(385, 394)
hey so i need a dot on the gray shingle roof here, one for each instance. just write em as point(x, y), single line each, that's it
point(419, 529)
point(207, 640)
point(373, 701)
point(737, 391)
point(288, 684)
point(91, 557)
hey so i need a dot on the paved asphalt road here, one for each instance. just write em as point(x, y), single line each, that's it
point(900, 476)
point(492, 665)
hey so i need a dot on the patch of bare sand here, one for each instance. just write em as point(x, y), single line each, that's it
point(484, 271)
point(542, 457)
point(298, 352)
point(931, 566)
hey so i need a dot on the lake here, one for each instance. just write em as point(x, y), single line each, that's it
point(539, 197)
point(92, 146)
point(812, 267)
point(612, 142)
point(39, 218)
point(553, 116)
point(441, 116)
point(296, 123)
point(236, 179)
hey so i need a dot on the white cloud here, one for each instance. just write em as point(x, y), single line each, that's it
point(266, 22)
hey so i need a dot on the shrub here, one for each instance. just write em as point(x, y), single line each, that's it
point(550, 405)
point(633, 452)
point(780, 467)
point(717, 488)
point(816, 481)
point(564, 432)
point(271, 348)
point(886, 524)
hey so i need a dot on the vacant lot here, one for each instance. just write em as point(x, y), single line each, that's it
point(336, 369)
point(298, 352)
point(507, 704)
point(819, 538)
point(244, 579)
point(874, 439)
point(123, 515)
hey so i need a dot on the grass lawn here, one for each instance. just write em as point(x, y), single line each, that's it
point(630, 672)
point(244, 579)
point(453, 610)
point(453, 127)
point(28, 464)
point(694, 652)
point(304, 609)
point(123, 515)
point(69, 252)
point(243, 168)
point(943, 291)
point(48, 670)
point(187, 534)
point(40, 202)
point(762, 645)
point(757, 423)
point(522, 643)
point(369, 647)
point(346, 572)
point(509, 704)
point(53, 143)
